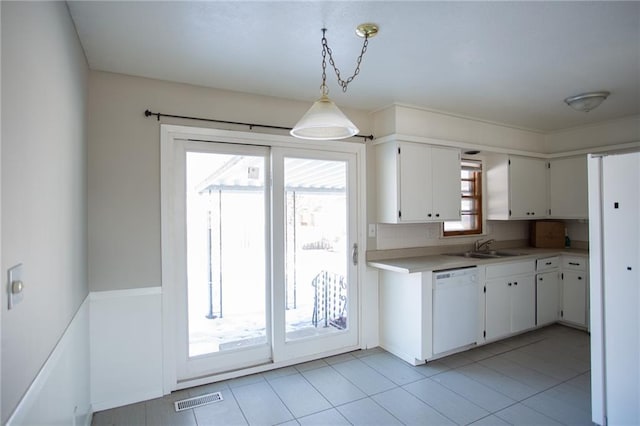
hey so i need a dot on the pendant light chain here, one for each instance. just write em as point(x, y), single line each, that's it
point(327, 50)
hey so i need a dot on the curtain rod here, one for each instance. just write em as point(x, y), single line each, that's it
point(149, 113)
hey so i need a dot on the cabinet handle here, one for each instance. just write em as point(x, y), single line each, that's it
point(540, 279)
point(528, 213)
point(428, 214)
point(509, 284)
point(579, 278)
point(533, 213)
point(548, 263)
point(574, 264)
point(515, 283)
point(437, 214)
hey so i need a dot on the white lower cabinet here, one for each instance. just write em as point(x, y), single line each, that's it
point(547, 298)
point(509, 298)
point(523, 306)
point(575, 304)
point(547, 290)
point(405, 315)
point(515, 296)
point(497, 309)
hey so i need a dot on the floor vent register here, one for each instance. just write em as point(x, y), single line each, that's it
point(197, 401)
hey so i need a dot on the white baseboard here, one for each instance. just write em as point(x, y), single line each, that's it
point(126, 347)
point(60, 392)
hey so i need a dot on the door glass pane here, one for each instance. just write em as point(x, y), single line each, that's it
point(316, 247)
point(225, 252)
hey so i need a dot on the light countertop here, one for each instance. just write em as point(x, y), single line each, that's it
point(441, 261)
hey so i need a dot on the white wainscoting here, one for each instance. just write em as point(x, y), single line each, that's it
point(60, 392)
point(126, 347)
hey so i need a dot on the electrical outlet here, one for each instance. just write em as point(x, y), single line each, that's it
point(372, 230)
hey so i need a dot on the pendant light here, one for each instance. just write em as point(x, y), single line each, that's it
point(324, 120)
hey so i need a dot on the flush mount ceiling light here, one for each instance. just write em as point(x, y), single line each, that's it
point(324, 120)
point(586, 101)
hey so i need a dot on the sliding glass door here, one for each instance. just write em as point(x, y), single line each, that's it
point(315, 276)
point(224, 310)
point(264, 250)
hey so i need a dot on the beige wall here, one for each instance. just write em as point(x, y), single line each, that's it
point(124, 164)
point(44, 85)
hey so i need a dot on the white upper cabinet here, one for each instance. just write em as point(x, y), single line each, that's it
point(568, 188)
point(516, 187)
point(417, 183)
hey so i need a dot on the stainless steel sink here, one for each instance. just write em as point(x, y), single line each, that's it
point(491, 254)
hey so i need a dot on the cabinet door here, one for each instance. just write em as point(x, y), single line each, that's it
point(568, 188)
point(547, 298)
point(523, 302)
point(415, 182)
point(498, 311)
point(445, 180)
point(574, 297)
point(528, 188)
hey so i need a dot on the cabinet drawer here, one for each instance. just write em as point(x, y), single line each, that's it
point(547, 263)
point(574, 263)
point(512, 268)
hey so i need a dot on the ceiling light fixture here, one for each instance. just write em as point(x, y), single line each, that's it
point(324, 120)
point(586, 101)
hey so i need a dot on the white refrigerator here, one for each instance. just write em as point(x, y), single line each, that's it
point(614, 259)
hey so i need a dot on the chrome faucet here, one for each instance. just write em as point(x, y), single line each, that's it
point(480, 244)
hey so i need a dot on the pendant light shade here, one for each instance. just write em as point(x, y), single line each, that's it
point(324, 121)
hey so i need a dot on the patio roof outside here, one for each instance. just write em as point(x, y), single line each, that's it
point(240, 173)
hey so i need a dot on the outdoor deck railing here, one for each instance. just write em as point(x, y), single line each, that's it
point(330, 300)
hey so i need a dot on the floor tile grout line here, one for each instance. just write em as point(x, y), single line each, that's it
point(546, 390)
point(460, 395)
point(471, 378)
point(429, 405)
point(534, 369)
point(293, 417)
point(321, 394)
point(244, 416)
point(362, 390)
point(368, 396)
point(520, 403)
point(520, 381)
point(401, 386)
point(515, 401)
point(489, 415)
point(495, 413)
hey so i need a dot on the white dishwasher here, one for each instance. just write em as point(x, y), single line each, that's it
point(455, 308)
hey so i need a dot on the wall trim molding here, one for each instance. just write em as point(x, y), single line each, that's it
point(499, 150)
point(122, 370)
point(25, 407)
point(130, 292)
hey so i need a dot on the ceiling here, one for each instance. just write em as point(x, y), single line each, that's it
point(504, 62)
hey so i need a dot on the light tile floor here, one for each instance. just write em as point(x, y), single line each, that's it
point(538, 378)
